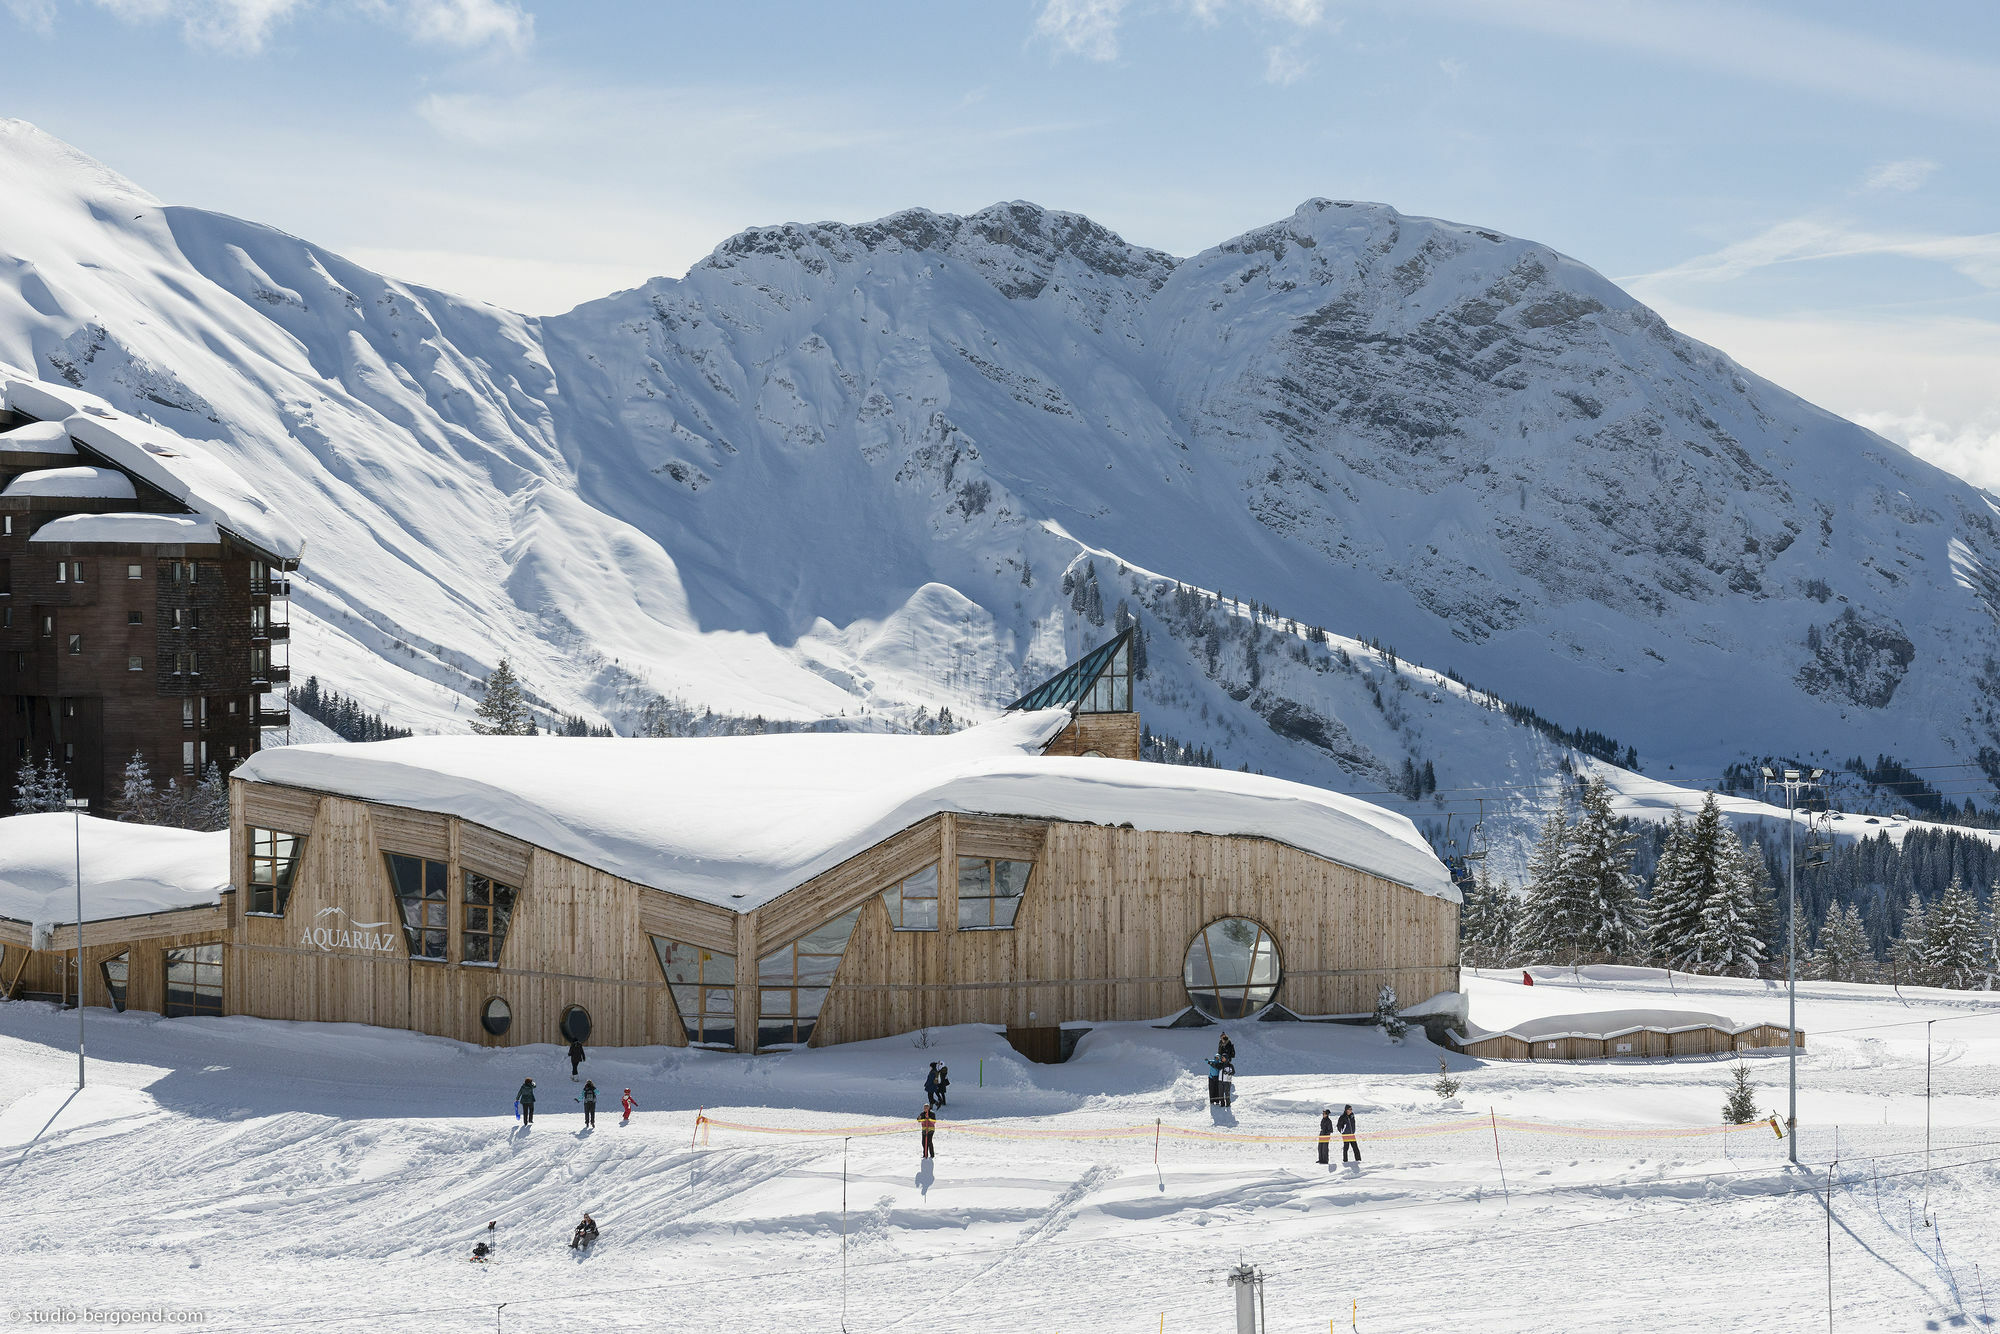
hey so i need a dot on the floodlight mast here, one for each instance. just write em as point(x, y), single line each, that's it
point(1794, 782)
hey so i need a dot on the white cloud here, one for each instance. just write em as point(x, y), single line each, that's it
point(240, 26)
point(1975, 256)
point(1901, 177)
point(35, 15)
point(1087, 28)
point(1284, 66)
point(244, 26)
point(1452, 67)
point(466, 23)
point(1969, 449)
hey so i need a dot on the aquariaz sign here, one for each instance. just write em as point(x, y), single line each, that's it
point(332, 930)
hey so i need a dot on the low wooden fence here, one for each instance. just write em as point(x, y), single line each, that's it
point(1638, 1043)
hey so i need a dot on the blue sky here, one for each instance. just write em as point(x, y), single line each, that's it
point(1811, 187)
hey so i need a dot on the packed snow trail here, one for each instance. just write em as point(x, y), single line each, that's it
point(334, 1176)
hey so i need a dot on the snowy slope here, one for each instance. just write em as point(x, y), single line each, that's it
point(270, 1173)
point(842, 470)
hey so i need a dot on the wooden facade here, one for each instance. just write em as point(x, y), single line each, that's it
point(1634, 1045)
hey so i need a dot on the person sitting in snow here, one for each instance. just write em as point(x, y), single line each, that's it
point(586, 1232)
point(484, 1248)
point(627, 1104)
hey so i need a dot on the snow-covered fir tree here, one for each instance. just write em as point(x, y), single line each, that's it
point(41, 787)
point(1729, 944)
point(1740, 1107)
point(1954, 945)
point(1555, 921)
point(138, 798)
point(1388, 1012)
point(1601, 865)
point(1692, 871)
point(1907, 965)
point(503, 710)
point(1844, 954)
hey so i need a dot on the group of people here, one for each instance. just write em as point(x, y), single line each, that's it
point(1345, 1125)
point(524, 1100)
point(1222, 1073)
point(487, 1246)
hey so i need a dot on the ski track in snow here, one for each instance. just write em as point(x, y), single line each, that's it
point(270, 1173)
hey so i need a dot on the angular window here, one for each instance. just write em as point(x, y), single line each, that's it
point(489, 907)
point(194, 980)
point(274, 861)
point(703, 984)
point(792, 982)
point(1232, 969)
point(989, 892)
point(117, 971)
point(913, 902)
point(419, 887)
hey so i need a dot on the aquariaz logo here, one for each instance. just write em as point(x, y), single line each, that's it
point(341, 934)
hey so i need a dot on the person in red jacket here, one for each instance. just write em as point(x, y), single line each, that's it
point(626, 1104)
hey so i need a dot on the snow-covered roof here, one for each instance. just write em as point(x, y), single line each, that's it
point(73, 484)
point(128, 869)
point(37, 438)
point(161, 529)
point(185, 469)
point(737, 821)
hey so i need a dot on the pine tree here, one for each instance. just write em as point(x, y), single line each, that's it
point(1728, 945)
point(1906, 952)
point(1701, 872)
point(1673, 913)
point(1602, 865)
point(1487, 922)
point(39, 788)
point(1843, 954)
point(138, 798)
point(1555, 926)
point(1740, 1107)
point(1953, 949)
point(207, 804)
point(1388, 1013)
point(503, 710)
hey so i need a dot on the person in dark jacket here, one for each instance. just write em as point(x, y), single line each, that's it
point(927, 1122)
point(526, 1097)
point(1215, 1081)
point(576, 1057)
point(589, 1104)
point(586, 1232)
point(1226, 1050)
point(944, 1082)
point(931, 1086)
point(1346, 1127)
point(484, 1249)
point(1325, 1134)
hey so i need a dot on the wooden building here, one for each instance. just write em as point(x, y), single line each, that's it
point(758, 892)
point(143, 598)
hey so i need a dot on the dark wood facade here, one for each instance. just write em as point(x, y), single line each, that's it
point(110, 648)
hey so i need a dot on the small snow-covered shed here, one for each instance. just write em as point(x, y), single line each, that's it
point(758, 892)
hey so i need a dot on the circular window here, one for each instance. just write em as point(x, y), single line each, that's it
point(496, 1017)
point(1232, 969)
point(576, 1024)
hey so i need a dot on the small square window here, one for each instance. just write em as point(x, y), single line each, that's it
point(133, 572)
point(135, 664)
point(135, 618)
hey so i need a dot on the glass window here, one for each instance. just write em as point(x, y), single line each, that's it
point(703, 984)
point(135, 618)
point(132, 572)
point(1232, 969)
point(117, 971)
point(989, 892)
point(497, 1017)
point(76, 643)
point(194, 980)
point(419, 887)
point(489, 907)
point(913, 902)
point(274, 860)
point(575, 1025)
point(135, 664)
point(792, 982)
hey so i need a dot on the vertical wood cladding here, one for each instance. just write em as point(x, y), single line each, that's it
point(1112, 735)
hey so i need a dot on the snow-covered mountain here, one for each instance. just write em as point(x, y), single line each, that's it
point(861, 469)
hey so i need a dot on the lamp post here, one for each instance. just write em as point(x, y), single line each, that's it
point(77, 806)
point(1794, 782)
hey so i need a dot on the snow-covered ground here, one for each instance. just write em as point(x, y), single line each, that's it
point(296, 1175)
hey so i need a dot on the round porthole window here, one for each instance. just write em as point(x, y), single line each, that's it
point(576, 1024)
point(1232, 969)
point(496, 1017)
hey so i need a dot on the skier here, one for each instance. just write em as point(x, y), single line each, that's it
point(576, 1058)
point(586, 1232)
point(626, 1104)
point(931, 1087)
point(928, 1123)
point(944, 1082)
point(589, 1101)
point(1325, 1134)
point(484, 1249)
point(1348, 1143)
point(525, 1099)
point(1226, 1050)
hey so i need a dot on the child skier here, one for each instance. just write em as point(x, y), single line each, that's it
point(589, 1101)
point(627, 1103)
